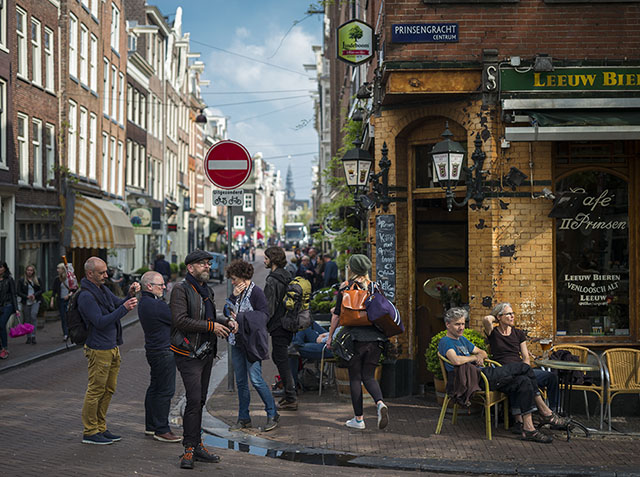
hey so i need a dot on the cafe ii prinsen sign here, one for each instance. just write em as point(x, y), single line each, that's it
point(619, 79)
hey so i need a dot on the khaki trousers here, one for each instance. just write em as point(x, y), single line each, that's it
point(103, 367)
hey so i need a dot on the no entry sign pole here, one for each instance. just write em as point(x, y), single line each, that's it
point(228, 165)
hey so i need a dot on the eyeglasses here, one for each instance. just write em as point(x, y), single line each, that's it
point(157, 284)
point(511, 313)
point(203, 264)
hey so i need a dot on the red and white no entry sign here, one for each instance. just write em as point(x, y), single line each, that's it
point(228, 164)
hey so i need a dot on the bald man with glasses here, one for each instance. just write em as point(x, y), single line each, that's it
point(155, 317)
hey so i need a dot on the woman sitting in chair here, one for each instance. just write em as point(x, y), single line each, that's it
point(509, 345)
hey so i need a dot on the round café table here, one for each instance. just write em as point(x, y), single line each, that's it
point(565, 380)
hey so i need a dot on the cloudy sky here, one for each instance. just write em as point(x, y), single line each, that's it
point(254, 52)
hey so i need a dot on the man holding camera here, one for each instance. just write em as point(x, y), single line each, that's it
point(193, 341)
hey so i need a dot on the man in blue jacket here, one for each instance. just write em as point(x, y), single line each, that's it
point(155, 318)
point(102, 311)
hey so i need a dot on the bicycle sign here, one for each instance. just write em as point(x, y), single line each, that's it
point(228, 197)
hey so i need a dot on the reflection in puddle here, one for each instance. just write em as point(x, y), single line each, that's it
point(307, 458)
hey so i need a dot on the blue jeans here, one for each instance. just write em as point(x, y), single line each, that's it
point(162, 386)
point(549, 381)
point(242, 367)
point(62, 305)
point(5, 313)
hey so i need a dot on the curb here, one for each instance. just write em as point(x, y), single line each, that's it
point(53, 352)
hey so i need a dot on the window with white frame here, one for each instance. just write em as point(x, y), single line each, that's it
point(93, 146)
point(36, 142)
point(143, 167)
point(247, 205)
point(3, 124)
point(49, 144)
point(72, 145)
point(94, 8)
point(105, 88)
point(84, 55)
point(93, 65)
point(36, 52)
point(21, 46)
point(121, 98)
point(129, 167)
point(119, 181)
point(48, 60)
point(143, 111)
point(129, 102)
point(23, 148)
point(82, 143)
point(112, 166)
point(114, 95)
point(238, 221)
point(73, 45)
point(105, 161)
point(3, 24)
point(134, 106)
point(115, 28)
point(134, 163)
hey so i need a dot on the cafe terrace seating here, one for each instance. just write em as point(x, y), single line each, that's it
point(485, 398)
point(584, 354)
point(623, 365)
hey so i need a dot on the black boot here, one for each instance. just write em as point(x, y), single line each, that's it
point(186, 461)
point(201, 453)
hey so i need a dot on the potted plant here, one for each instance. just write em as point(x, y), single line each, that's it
point(433, 363)
point(321, 303)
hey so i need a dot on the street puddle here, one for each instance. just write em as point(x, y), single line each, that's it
point(333, 459)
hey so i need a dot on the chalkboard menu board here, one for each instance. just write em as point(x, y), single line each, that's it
point(386, 255)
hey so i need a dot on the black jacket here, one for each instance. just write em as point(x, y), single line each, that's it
point(188, 320)
point(274, 290)
point(23, 290)
point(252, 335)
point(8, 292)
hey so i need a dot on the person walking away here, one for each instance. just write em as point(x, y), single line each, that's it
point(8, 305)
point(247, 310)
point(30, 291)
point(155, 318)
point(162, 267)
point(330, 271)
point(61, 290)
point(194, 327)
point(274, 289)
point(368, 344)
point(102, 311)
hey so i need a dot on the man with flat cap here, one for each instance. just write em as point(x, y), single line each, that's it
point(193, 341)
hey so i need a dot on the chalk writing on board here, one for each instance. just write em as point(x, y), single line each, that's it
point(386, 255)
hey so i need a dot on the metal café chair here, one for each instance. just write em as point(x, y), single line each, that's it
point(584, 355)
point(331, 363)
point(624, 374)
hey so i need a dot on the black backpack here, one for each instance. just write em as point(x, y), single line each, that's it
point(78, 330)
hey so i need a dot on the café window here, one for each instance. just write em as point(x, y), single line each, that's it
point(592, 254)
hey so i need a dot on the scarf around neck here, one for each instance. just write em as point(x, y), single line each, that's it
point(204, 292)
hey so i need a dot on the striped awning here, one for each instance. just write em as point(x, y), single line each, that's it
point(100, 224)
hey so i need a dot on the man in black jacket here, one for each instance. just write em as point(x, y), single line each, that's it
point(155, 318)
point(275, 288)
point(193, 340)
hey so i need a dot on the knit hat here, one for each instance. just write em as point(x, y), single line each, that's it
point(359, 264)
point(197, 256)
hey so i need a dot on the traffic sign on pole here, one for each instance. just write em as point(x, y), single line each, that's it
point(228, 164)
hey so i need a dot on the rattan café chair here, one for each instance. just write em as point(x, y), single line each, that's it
point(624, 373)
point(486, 399)
point(584, 355)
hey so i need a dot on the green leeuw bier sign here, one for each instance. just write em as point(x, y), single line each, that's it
point(571, 79)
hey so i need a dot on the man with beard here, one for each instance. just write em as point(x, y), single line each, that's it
point(193, 341)
point(275, 288)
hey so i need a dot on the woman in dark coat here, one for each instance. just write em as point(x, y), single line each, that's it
point(368, 344)
point(8, 305)
point(248, 307)
point(30, 292)
point(62, 290)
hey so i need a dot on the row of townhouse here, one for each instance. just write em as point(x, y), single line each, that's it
point(102, 137)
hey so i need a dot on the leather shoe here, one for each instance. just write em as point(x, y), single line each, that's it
point(201, 453)
point(240, 424)
point(288, 405)
point(167, 437)
point(271, 424)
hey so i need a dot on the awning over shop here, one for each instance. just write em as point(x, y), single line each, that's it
point(100, 224)
point(573, 119)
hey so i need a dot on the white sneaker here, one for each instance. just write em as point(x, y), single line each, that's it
point(355, 424)
point(383, 415)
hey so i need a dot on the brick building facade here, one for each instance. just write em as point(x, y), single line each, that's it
point(551, 90)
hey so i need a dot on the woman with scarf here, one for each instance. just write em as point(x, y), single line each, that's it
point(368, 344)
point(248, 306)
point(63, 291)
point(30, 291)
point(8, 305)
